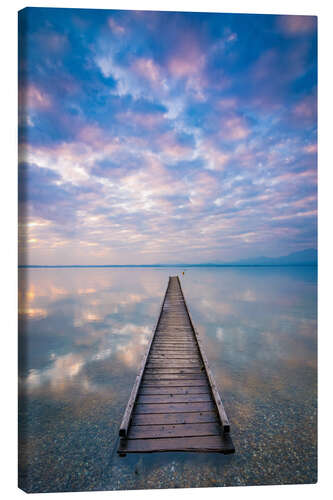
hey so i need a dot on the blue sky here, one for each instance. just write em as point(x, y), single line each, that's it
point(150, 137)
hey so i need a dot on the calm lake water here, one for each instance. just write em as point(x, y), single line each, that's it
point(83, 333)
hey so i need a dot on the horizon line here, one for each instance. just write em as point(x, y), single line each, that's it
point(23, 266)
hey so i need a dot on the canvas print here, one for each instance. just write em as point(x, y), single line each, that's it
point(167, 249)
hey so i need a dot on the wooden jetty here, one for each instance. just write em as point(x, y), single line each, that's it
point(174, 404)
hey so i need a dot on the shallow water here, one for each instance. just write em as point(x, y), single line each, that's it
point(83, 333)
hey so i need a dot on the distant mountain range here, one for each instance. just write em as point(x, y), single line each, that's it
point(304, 258)
point(307, 257)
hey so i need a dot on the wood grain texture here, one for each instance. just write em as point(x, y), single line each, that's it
point(198, 443)
point(174, 418)
point(145, 390)
point(174, 430)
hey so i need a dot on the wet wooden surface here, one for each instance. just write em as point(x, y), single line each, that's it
point(174, 404)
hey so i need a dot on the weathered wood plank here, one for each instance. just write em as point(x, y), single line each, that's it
point(173, 407)
point(175, 350)
point(166, 356)
point(163, 360)
point(181, 363)
point(179, 356)
point(175, 345)
point(198, 443)
point(145, 390)
point(176, 382)
point(168, 353)
point(180, 376)
point(174, 430)
point(172, 371)
point(174, 418)
point(174, 398)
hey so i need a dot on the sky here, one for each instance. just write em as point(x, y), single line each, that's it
point(154, 137)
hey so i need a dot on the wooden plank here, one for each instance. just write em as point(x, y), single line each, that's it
point(174, 345)
point(176, 382)
point(176, 335)
point(174, 407)
point(191, 347)
point(175, 350)
point(163, 364)
point(181, 363)
point(179, 333)
point(172, 363)
point(199, 443)
point(177, 376)
point(175, 362)
point(177, 343)
point(174, 418)
point(155, 357)
point(180, 339)
point(171, 354)
point(174, 430)
point(145, 390)
point(175, 354)
point(179, 328)
point(186, 368)
point(174, 398)
point(174, 371)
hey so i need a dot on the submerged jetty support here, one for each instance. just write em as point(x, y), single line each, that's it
point(174, 404)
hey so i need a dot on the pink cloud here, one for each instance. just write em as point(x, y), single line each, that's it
point(306, 109)
point(115, 27)
point(291, 178)
point(227, 104)
point(146, 120)
point(148, 69)
point(295, 25)
point(233, 37)
point(170, 146)
point(180, 67)
point(215, 159)
point(311, 149)
point(148, 184)
point(234, 128)
point(52, 41)
point(56, 42)
point(188, 61)
point(91, 134)
point(304, 202)
point(35, 98)
point(204, 188)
